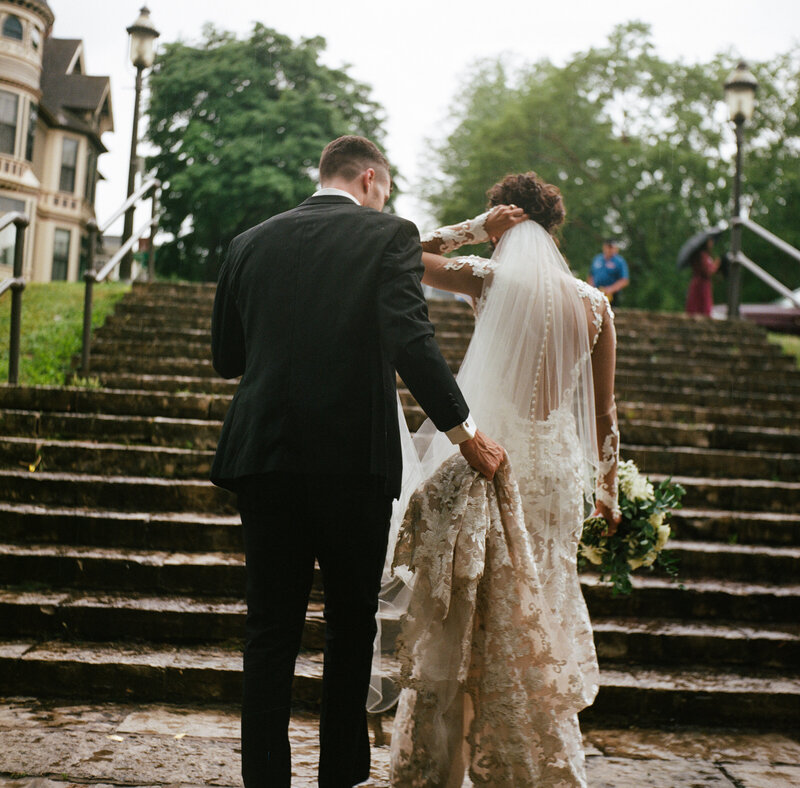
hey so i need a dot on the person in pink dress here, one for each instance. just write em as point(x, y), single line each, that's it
point(700, 299)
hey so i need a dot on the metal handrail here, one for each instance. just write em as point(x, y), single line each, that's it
point(768, 279)
point(142, 191)
point(103, 273)
point(91, 277)
point(12, 217)
point(738, 257)
point(777, 242)
point(16, 284)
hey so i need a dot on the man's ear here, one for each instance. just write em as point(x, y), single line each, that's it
point(367, 178)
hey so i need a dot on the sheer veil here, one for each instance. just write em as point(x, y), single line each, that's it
point(528, 365)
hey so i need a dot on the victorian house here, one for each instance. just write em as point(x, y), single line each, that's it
point(52, 118)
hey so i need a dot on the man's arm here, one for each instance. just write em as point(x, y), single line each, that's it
point(227, 332)
point(407, 339)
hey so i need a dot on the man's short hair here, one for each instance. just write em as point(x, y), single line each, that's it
point(348, 156)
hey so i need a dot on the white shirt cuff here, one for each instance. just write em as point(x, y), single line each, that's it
point(462, 432)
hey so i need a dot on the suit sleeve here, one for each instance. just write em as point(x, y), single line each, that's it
point(227, 332)
point(407, 335)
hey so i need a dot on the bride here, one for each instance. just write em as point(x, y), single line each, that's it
point(496, 648)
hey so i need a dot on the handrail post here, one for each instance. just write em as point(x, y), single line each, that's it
point(735, 274)
point(16, 301)
point(151, 254)
point(89, 277)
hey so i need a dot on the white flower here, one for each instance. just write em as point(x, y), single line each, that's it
point(592, 554)
point(641, 489)
point(656, 519)
point(662, 536)
point(650, 558)
point(635, 563)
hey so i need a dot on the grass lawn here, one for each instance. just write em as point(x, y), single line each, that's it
point(789, 343)
point(52, 323)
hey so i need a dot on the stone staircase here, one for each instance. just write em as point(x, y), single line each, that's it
point(121, 567)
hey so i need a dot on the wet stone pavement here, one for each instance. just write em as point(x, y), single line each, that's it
point(48, 745)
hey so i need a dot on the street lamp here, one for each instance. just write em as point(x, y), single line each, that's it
point(740, 95)
point(143, 37)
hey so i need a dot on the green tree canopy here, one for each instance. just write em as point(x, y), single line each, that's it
point(239, 126)
point(641, 148)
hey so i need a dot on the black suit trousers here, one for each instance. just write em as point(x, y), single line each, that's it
point(289, 520)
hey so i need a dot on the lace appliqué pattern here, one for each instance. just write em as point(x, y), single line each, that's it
point(599, 303)
point(457, 235)
point(481, 649)
point(607, 479)
point(481, 267)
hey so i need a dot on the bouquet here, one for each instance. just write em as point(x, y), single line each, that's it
point(642, 533)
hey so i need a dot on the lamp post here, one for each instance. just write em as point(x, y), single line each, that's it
point(740, 95)
point(143, 36)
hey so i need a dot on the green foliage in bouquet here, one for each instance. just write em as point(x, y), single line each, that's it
point(642, 533)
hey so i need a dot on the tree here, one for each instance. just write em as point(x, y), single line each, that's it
point(239, 126)
point(640, 147)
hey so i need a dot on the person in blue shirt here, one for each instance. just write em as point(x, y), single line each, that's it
point(609, 271)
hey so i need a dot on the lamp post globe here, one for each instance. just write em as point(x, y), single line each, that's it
point(143, 35)
point(740, 96)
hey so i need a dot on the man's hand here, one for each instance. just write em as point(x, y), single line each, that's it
point(502, 218)
point(483, 454)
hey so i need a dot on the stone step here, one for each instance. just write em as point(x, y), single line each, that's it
point(784, 383)
point(22, 523)
point(170, 462)
point(150, 571)
point(179, 404)
point(89, 457)
point(122, 493)
point(705, 395)
point(738, 494)
point(708, 525)
point(693, 415)
point(200, 532)
point(736, 562)
point(724, 462)
point(735, 372)
point(198, 434)
point(166, 383)
point(71, 616)
point(783, 440)
point(139, 673)
point(694, 599)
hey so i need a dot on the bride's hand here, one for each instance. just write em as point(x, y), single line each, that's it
point(612, 519)
point(502, 218)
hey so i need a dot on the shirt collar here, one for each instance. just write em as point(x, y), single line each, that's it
point(330, 191)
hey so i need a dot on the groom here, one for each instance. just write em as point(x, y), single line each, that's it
point(316, 309)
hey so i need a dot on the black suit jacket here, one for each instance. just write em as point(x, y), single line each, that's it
point(316, 308)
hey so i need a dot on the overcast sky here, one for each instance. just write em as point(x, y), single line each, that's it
point(414, 53)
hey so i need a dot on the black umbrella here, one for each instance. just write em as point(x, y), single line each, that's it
point(695, 243)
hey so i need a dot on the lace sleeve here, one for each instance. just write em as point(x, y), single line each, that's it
point(607, 491)
point(447, 239)
point(604, 361)
point(479, 266)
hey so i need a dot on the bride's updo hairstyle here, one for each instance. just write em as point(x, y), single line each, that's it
point(541, 201)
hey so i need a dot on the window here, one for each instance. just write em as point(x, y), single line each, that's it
point(12, 28)
point(60, 255)
point(9, 105)
point(69, 160)
point(91, 174)
point(36, 38)
point(33, 116)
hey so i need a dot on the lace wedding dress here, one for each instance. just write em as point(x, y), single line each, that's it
point(496, 647)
